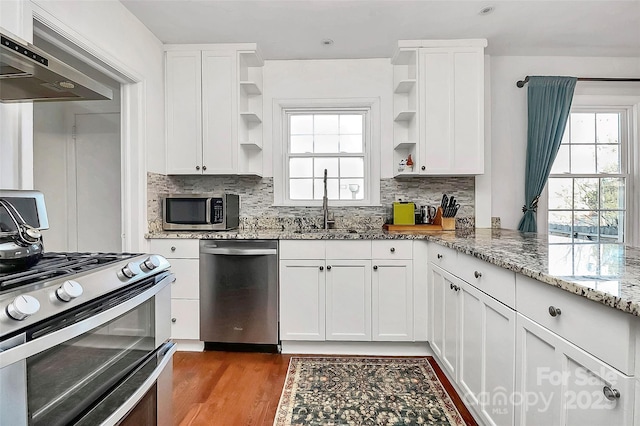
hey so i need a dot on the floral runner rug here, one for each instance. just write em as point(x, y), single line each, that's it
point(332, 391)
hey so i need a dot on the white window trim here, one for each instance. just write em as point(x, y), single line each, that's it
point(630, 103)
point(372, 166)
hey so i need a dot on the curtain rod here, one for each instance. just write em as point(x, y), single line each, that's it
point(521, 83)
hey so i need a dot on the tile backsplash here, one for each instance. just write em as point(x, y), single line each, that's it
point(257, 210)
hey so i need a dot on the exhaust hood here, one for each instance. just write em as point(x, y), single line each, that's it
point(30, 74)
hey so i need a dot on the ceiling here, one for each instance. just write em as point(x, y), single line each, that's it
point(294, 29)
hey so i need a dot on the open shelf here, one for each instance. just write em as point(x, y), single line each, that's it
point(250, 145)
point(404, 145)
point(405, 86)
point(250, 117)
point(250, 88)
point(405, 116)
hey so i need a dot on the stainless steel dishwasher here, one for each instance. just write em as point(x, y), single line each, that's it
point(239, 292)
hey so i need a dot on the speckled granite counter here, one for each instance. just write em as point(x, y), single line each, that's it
point(605, 273)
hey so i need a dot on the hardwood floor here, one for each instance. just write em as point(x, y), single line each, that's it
point(240, 389)
point(227, 388)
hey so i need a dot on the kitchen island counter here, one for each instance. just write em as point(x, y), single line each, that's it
point(605, 273)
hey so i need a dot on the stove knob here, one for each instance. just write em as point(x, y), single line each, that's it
point(22, 307)
point(69, 290)
point(129, 271)
point(151, 263)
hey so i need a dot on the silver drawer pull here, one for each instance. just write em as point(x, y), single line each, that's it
point(322, 268)
point(173, 320)
point(439, 256)
point(611, 394)
point(328, 267)
point(477, 274)
point(392, 249)
point(173, 248)
point(554, 312)
point(375, 267)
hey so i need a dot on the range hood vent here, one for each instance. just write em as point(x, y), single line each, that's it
point(29, 74)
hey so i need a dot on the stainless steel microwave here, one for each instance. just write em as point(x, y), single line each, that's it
point(204, 212)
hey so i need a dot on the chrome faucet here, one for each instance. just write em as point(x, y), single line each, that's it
point(327, 219)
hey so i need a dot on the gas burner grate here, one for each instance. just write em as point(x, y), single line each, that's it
point(56, 265)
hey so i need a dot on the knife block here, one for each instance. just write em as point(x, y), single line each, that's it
point(447, 223)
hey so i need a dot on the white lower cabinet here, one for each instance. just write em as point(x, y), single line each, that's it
point(392, 300)
point(185, 319)
point(558, 383)
point(302, 299)
point(348, 307)
point(473, 337)
point(340, 298)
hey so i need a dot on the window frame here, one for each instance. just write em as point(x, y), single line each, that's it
point(369, 107)
point(629, 106)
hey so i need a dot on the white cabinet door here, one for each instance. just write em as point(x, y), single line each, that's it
point(452, 111)
point(183, 111)
point(562, 384)
point(444, 313)
point(185, 319)
point(487, 355)
point(219, 144)
point(348, 307)
point(392, 300)
point(302, 300)
point(187, 283)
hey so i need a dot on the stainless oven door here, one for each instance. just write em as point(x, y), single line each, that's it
point(59, 370)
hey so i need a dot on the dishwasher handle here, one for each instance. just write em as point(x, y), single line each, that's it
point(237, 252)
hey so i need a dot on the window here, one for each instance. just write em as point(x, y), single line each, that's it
point(587, 185)
point(339, 136)
point(331, 141)
point(587, 193)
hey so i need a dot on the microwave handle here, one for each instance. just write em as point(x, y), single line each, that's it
point(208, 211)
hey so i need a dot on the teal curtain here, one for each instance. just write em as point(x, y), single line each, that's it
point(549, 101)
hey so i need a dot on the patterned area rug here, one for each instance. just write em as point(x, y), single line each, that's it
point(364, 391)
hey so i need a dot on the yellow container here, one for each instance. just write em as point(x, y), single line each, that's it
point(403, 214)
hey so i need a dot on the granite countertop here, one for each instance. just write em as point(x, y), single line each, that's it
point(602, 272)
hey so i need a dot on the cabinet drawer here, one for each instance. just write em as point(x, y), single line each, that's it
point(358, 249)
point(301, 249)
point(392, 249)
point(185, 319)
point(176, 248)
point(495, 281)
point(186, 285)
point(444, 257)
point(602, 331)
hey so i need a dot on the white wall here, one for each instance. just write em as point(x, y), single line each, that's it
point(509, 117)
point(329, 79)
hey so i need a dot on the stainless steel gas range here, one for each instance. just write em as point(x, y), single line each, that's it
point(85, 339)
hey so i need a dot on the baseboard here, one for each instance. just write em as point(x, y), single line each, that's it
point(189, 345)
point(357, 348)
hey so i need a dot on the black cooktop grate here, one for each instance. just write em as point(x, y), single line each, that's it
point(56, 265)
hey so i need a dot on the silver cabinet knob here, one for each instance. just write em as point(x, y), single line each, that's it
point(69, 290)
point(322, 268)
point(173, 248)
point(392, 249)
point(197, 167)
point(151, 263)
point(611, 394)
point(328, 267)
point(477, 274)
point(439, 256)
point(173, 320)
point(375, 267)
point(129, 271)
point(451, 286)
point(554, 312)
point(204, 167)
point(423, 168)
point(23, 307)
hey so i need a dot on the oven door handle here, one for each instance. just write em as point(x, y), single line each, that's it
point(165, 354)
point(55, 338)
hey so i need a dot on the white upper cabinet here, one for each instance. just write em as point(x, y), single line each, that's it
point(213, 108)
point(439, 107)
